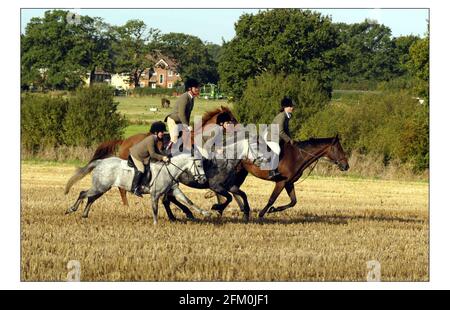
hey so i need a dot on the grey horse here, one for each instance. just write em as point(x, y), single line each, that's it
point(115, 172)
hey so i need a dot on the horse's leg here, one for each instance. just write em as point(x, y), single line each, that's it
point(77, 203)
point(241, 198)
point(291, 192)
point(219, 207)
point(179, 195)
point(155, 210)
point(185, 209)
point(91, 198)
point(275, 193)
point(123, 195)
point(166, 204)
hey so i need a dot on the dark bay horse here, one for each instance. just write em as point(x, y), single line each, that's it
point(121, 148)
point(294, 159)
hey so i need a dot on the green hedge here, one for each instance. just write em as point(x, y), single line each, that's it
point(86, 118)
point(261, 99)
point(392, 124)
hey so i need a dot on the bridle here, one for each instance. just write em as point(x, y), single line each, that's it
point(197, 173)
point(319, 156)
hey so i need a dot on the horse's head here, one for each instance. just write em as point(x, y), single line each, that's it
point(336, 154)
point(224, 113)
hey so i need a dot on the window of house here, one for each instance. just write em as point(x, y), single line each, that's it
point(153, 85)
point(161, 79)
point(169, 85)
point(170, 73)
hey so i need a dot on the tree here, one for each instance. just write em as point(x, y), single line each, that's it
point(133, 47)
point(279, 41)
point(402, 45)
point(57, 53)
point(368, 52)
point(419, 66)
point(192, 56)
point(261, 99)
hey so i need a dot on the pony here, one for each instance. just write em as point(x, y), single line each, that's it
point(115, 172)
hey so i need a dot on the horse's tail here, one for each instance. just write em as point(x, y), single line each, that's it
point(106, 149)
point(79, 174)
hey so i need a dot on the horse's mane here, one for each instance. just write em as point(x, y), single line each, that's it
point(313, 142)
point(210, 114)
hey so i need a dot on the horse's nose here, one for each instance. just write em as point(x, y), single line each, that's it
point(346, 167)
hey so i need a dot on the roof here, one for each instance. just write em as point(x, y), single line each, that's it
point(159, 57)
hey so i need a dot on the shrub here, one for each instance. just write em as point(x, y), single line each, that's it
point(392, 125)
point(92, 117)
point(261, 99)
point(41, 121)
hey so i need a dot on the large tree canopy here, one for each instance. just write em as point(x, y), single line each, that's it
point(279, 41)
point(57, 53)
point(192, 56)
point(133, 44)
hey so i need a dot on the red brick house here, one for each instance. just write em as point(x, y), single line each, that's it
point(164, 74)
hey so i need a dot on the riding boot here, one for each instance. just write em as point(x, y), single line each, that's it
point(274, 174)
point(136, 186)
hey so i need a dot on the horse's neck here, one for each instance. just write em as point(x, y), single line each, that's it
point(178, 165)
point(312, 150)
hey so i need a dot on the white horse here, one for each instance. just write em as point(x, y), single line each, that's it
point(115, 172)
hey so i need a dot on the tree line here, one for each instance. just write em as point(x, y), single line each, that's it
point(58, 52)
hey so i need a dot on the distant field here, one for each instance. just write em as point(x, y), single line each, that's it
point(337, 226)
point(137, 110)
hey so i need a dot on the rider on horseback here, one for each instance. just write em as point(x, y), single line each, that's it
point(282, 121)
point(182, 111)
point(145, 151)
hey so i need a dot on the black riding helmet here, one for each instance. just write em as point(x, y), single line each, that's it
point(191, 83)
point(222, 118)
point(157, 127)
point(287, 102)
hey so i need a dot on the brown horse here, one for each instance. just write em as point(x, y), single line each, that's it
point(121, 148)
point(294, 159)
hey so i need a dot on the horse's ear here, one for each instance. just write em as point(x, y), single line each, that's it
point(337, 136)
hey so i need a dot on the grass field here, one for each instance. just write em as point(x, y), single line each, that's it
point(137, 110)
point(337, 226)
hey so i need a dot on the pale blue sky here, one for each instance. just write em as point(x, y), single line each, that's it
point(214, 24)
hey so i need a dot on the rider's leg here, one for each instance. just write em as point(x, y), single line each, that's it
point(275, 147)
point(138, 174)
point(173, 132)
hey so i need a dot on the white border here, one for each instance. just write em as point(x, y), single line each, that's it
point(10, 120)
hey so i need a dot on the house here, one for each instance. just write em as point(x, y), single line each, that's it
point(164, 73)
point(100, 76)
point(120, 81)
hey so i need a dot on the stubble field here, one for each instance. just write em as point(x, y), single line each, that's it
point(337, 226)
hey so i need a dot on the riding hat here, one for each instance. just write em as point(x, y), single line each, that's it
point(158, 127)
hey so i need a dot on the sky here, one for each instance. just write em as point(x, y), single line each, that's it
point(215, 25)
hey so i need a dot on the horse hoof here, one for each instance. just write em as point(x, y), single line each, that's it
point(246, 217)
point(271, 210)
point(217, 208)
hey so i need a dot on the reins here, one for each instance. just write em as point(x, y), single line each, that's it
point(318, 157)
